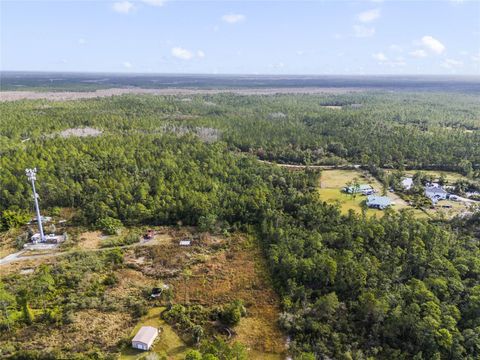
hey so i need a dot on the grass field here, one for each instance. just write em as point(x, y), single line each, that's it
point(332, 182)
point(168, 342)
point(450, 176)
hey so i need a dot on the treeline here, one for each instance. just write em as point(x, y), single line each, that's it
point(421, 130)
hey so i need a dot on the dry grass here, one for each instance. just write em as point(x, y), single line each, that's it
point(89, 328)
point(90, 240)
point(222, 269)
point(238, 273)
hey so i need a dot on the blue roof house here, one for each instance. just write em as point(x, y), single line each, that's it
point(378, 202)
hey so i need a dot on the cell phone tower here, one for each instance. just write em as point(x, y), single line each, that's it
point(32, 176)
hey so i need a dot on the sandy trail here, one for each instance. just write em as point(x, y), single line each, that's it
point(71, 95)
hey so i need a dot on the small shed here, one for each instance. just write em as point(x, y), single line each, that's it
point(144, 338)
point(378, 202)
point(185, 242)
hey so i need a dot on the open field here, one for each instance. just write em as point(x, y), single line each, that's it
point(450, 176)
point(167, 343)
point(332, 182)
point(215, 281)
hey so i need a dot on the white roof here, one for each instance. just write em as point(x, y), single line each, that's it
point(185, 242)
point(146, 334)
point(407, 182)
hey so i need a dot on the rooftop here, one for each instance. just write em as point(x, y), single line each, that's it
point(379, 200)
point(146, 334)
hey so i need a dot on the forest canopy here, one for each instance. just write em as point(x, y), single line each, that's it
point(351, 287)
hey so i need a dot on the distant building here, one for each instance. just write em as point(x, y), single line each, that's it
point(49, 239)
point(45, 219)
point(185, 242)
point(144, 338)
point(407, 183)
point(435, 193)
point(364, 189)
point(378, 202)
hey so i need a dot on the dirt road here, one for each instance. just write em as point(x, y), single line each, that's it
point(16, 257)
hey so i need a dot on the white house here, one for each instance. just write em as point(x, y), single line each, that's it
point(144, 338)
point(435, 193)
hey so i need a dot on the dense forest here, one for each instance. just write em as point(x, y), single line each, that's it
point(352, 287)
point(382, 129)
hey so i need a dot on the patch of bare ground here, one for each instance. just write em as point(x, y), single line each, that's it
point(69, 96)
point(18, 267)
point(90, 240)
point(80, 132)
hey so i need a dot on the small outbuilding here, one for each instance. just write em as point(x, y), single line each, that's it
point(144, 338)
point(407, 183)
point(378, 202)
point(185, 242)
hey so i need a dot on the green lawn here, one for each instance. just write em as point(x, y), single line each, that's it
point(332, 182)
point(450, 176)
point(168, 342)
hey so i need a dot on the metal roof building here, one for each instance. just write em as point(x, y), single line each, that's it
point(361, 189)
point(378, 202)
point(144, 338)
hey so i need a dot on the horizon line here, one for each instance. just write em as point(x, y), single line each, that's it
point(233, 74)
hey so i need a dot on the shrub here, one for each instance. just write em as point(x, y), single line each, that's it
point(193, 355)
point(232, 314)
point(109, 226)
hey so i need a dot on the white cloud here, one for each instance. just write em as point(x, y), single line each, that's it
point(200, 54)
point(476, 57)
point(158, 3)
point(233, 18)
point(380, 57)
point(395, 47)
point(127, 64)
point(363, 31)
point(123, 7)
point(82, 41)
point(418, 53)
point(452, 63)
point(433, 44)
point(369, 15)
point(396, 63)
point(182, 53)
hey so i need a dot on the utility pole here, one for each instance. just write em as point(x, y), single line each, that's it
point(32, 176)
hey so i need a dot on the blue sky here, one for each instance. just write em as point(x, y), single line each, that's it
point(247, 37)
